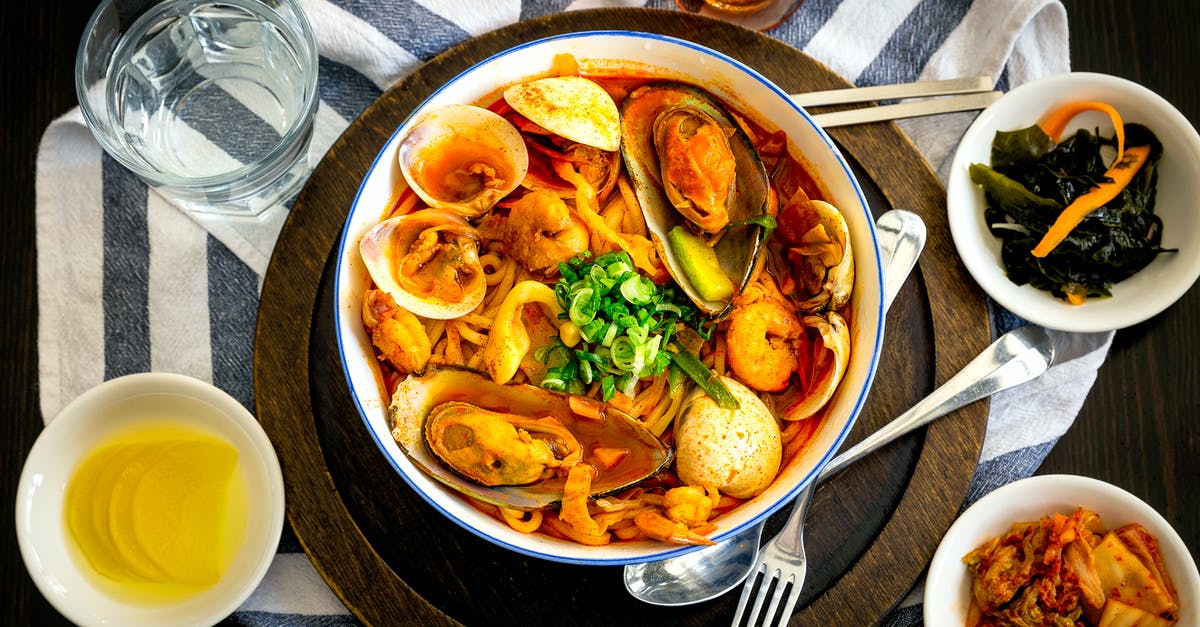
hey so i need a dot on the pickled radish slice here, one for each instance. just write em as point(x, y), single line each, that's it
point(158, 511)
point(177, 508)
point(80, 515)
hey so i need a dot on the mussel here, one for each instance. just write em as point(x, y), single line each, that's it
point(497, 448)
point(463, 159)
point(700, 183)
point(427, 261)
point(466, 431)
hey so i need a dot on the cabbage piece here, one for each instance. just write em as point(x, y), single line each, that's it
point(1145, 546)
point(1117, 614)
point(1128, 580)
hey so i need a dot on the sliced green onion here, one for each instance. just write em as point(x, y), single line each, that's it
point(608, 387)
point(623, 353)
point(581, 310)
point(637, 289)
point(610, 334)
point(705, 378)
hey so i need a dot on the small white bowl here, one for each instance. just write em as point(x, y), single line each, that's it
point(948, 584)
point(1133, 300)
point(116, 405)
point(669, 58)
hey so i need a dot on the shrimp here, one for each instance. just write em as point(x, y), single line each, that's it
point(396, 332)
point(763, 342)
point(690, 505)
point(659, 527)
point(540, 231)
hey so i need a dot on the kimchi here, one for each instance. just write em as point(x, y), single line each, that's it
point(1066, 570)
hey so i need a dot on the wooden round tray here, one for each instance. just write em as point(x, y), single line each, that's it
point(391, 558)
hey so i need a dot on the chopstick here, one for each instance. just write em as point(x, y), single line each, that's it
point(894, 92)
point(962, 94)
point(933, 106)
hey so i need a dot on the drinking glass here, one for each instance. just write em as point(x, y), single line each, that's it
point(209, 101)
point(757, 14)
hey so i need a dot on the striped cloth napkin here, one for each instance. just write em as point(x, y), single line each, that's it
point(129, 283)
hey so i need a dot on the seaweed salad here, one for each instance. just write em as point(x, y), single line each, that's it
point(1070, 223)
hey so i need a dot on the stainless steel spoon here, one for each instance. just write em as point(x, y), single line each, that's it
point(710, 572)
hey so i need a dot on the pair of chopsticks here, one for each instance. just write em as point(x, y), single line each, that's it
point(962, 94)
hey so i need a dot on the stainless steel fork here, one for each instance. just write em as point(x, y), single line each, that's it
point(782, 563)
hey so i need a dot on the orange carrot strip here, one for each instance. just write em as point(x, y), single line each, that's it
point(584, 407)
point(1076, 298)
point(1055, 122)
point(608, 457)
point(1121, 172)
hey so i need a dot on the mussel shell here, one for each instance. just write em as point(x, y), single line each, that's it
point(416, 396)
point(739, 250)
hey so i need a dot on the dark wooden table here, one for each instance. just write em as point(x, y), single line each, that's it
point(1138, 429)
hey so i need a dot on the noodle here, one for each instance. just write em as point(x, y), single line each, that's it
point(718, 364)
point(618, 225)
point(469, 334)
point(518, 521)
point(669, 408)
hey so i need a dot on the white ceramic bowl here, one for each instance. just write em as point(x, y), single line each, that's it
point(947, 586)
point(746, 90)
point(1133, 300)
point(113, 406)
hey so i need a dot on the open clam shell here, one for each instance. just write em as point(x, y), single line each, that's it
point(428, 261)
point(463, 159)
point(416, 397)
point(739, 249)
point(572, 107)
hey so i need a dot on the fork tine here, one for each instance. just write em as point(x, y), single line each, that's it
point(768, 579)
point(788, 607)
point(747, 588)
point(781, 584)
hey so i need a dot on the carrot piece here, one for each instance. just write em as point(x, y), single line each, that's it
point(1055, 122)
point(608, 457)
point(584, 407)
point(1121, 172)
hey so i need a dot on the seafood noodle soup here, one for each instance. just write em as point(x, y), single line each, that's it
point(606, 305)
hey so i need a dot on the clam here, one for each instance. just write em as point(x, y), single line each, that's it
point(464, 430)
point(695, 170)
point(463, 159)
point(427, 261)
point(571, 107)
point(827, 366)
point(819, 252)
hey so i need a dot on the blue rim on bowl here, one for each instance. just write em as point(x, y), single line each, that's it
point(647, 49)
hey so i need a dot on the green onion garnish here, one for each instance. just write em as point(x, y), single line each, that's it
point(627, 323)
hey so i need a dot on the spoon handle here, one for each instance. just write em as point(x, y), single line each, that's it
point(1018, 356)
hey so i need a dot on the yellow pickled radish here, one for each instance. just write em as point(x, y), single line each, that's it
point(157, 512)
point(177, 507)
point(102, 511)
point(121, 511)
point(81, 519)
